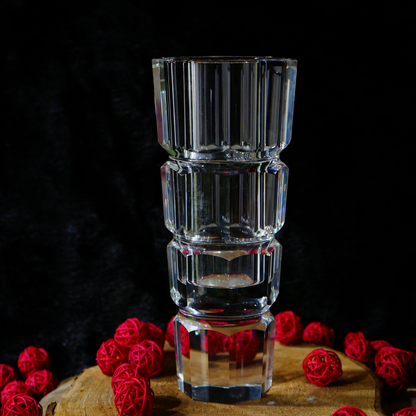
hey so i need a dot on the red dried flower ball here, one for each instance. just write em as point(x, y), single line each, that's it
point(394, 367)
point(110, 355)
point(33, 359)
point(149, 356)
point(130, 332)
point(13, 388)
point(319, 333)
point(22, 405)
point(348, 411)
point(169, 333)
point(126, 371)
point(358, 347)
point(407, 411)
point(7, 374)
point(243, 346)
point(322, 367)
point(134, 397)
point(41, 382)
point(288, 328)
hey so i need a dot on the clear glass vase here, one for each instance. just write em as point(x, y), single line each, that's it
point(224, 122)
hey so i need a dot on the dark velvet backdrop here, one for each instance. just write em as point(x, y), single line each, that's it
point(82, 240)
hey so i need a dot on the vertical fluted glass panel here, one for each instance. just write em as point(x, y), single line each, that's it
point(224, 280)
point(223, 108)
point(224, 202)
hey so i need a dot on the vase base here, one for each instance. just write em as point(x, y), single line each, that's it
point(224, 394)
point(224, 361)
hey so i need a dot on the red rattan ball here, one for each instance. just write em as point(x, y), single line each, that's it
point(134, 397)
point(154, 333)
point(407, 411)
point(22, 405)
point(110, 355)
point(185, 345)
point(358, 347)
point(13, 388)
point(391, 354)
point(288, 328)
point(377, 344)
point(322, 367)
point(7, 374)
point(33, 359)
point(394, 367)
point(149, 356)
point(319, 333)
point(169, 333)
point(41, 382)
point(126, 371)
point(243, 346)
point(214, 343)
point(348, 411)
point(130, 332)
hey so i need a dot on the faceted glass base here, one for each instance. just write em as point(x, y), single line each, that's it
point(224, 361)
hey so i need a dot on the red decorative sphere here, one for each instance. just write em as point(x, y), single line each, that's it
point(214, 342)
point(319, 333)
point(322, 367)
point(243, 346)
point(33, 359)
point(185, 345)
point(7, 374)
point(288, 328)
point(149, 356)
point(391, 354)
point(110, 355)
point(348, 411)
point(169, 333)
point(13, 388)
point(126, 371)
point(407, 411)
point(22, 405)
point(377, 344)
point(41, 382)
point(134, 397)
point(130, 332)
point(154, 333)
point(358, 347)
point(394, 367)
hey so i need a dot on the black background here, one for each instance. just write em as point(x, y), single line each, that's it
point(82, 239)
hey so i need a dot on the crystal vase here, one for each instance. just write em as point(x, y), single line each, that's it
point(224, 121)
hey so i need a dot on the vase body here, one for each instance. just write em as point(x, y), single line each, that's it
point(224, 122)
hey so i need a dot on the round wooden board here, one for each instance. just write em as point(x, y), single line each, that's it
point(90, 394)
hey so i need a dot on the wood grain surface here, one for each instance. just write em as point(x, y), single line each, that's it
point(90, 394)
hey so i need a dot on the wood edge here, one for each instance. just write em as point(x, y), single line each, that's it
point(50, 409)
point(378, 385)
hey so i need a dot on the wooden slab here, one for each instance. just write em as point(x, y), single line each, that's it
point(90, 393)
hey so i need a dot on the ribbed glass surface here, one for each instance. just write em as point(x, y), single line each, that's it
point(224, 202)
point(224, 361)
point(224, 280)
point(224, 108)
